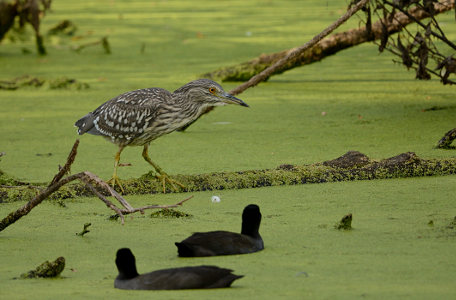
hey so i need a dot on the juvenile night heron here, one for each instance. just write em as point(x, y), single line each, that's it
point(138, 117)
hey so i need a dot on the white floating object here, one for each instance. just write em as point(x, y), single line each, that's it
point(215, 199)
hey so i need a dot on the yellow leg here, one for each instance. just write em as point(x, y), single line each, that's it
point(115, 179)
point(162, 176)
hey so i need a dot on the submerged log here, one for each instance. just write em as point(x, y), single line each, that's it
point(349, 167)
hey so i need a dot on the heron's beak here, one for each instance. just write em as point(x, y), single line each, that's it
point(230, 99)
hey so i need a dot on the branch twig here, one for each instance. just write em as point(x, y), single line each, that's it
point(66, 168)
point(141, 209)
point(107, 202)
point(88, 179)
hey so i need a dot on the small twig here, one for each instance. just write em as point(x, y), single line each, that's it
point(99, 182)
point(107, 202)
point(66, 168)
point(141, 209)
point(84, 230)
point(411, 17)
point(103, 41)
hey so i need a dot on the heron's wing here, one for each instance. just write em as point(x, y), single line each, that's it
point(126, 116)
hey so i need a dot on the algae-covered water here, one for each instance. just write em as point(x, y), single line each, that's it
point(392, 251)
point(355, 100)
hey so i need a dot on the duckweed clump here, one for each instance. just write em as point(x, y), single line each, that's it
point(47, 269)
point(345, 222)
point(169, 213)
point(452, 224)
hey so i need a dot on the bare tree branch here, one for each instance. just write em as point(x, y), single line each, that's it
point(88, 179)
point(296, 52)
point(141, 209)
point(386, 26)
point(107, 202)
point(66, 168)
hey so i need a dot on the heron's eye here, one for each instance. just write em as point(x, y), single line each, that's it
point(212, 90)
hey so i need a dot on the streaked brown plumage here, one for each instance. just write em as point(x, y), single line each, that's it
point(138, 117)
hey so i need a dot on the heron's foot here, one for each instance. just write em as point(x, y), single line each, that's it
point(164, 178)
point(115, 180)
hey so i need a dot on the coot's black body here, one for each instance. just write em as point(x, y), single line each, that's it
point(199, 277)
point(224, 242)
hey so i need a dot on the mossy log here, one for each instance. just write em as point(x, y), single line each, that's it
point(326, 47)
point(47, 269)
point(351, 166)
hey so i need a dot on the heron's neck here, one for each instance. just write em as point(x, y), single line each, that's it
point(189, 107)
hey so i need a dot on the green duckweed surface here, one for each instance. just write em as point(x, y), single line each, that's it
point(356, 100)
point(391, 252)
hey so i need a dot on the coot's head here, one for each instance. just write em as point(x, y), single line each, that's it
point(126, 264)
point(251, 219)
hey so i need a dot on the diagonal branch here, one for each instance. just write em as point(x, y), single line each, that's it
point(296, 52)
point(88, 179)
point(66, 168)
point(141, 209)
point(330, 45)
point(106, 201)
point(99, 182)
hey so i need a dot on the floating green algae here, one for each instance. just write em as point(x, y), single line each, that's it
point(169, 213)
point(392, 241)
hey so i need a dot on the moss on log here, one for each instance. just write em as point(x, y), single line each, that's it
point(47, 269)
point(351, 166)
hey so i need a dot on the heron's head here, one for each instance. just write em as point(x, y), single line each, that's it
point(208, 92)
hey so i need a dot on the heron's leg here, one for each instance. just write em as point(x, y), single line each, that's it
point(115, 179)
point(163, 176)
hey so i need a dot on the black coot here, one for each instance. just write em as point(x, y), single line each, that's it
point(224, 242)
point(199, 277)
